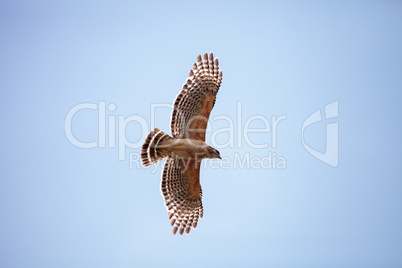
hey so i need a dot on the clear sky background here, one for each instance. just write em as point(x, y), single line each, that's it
point(65, 206)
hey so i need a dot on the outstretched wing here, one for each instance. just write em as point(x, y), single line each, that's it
point(194, 103)
point(182, 192)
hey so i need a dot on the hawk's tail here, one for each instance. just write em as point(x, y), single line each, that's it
point(151, 153)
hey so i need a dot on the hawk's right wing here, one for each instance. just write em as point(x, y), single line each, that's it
point(194, 103)
point(182, 192)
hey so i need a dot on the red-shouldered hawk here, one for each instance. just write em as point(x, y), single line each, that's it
point(186, 148)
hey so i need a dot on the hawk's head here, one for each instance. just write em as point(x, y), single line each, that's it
point(213, 153)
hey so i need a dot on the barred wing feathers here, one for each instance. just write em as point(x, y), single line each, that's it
point(182, 192)
point(194, 103)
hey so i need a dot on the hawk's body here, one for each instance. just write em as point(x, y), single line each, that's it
point(186, 148)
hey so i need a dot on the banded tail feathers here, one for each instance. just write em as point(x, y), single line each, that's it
point(151, 151)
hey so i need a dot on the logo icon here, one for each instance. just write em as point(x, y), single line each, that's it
point(330, 156)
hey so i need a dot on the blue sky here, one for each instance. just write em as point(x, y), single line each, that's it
point(65, 206)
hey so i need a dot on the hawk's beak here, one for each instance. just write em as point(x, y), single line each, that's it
point(220, 157)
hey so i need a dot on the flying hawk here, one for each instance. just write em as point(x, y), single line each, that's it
point(186, 148)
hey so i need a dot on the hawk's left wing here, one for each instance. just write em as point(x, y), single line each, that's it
point(182, 192)
point(194, 103)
